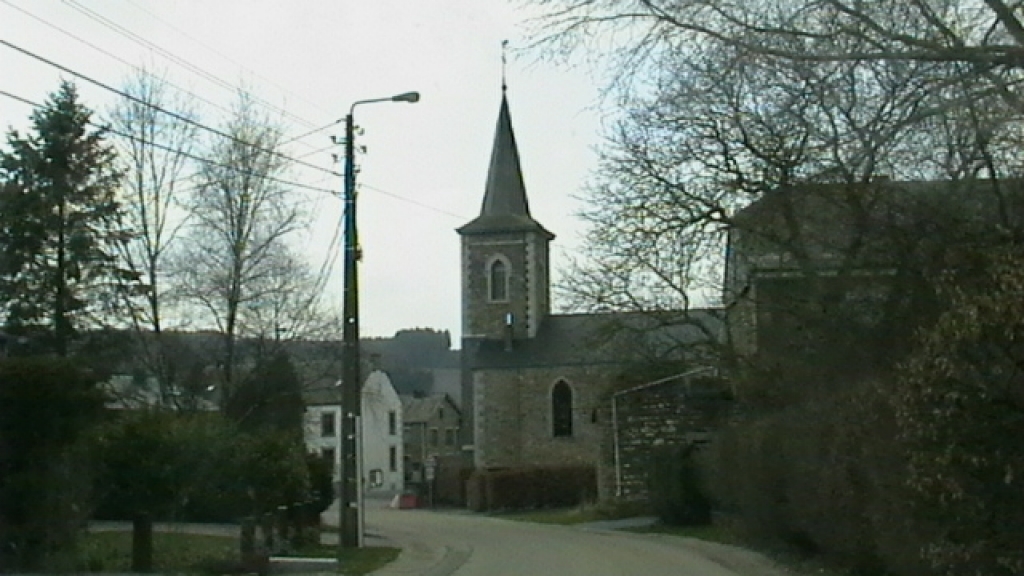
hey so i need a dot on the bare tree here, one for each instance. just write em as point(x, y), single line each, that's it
point(154, 153)
point(716, 126)
point(242, 216)
point(987, 36)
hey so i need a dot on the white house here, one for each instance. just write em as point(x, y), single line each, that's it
point(381, 432)
point(382, 435)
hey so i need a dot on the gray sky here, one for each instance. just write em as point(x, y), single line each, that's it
point(312, 59)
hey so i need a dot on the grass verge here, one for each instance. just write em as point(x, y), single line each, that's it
point(365, 560)
point(354, 561)
point(172, 552)
point(721, 534)
point(579, 514)
point(562, 516)
point(709, 532)
point(175, 552)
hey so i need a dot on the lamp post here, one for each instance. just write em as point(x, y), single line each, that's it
point(351, 402)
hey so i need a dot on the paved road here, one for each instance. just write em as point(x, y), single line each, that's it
point(440, 544)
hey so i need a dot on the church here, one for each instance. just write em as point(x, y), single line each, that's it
point(537, 386)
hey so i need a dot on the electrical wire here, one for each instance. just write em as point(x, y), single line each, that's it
point(208, 161)
point(311, 132)
point(170, 113)
point(184, 153)
point(109, 54)
point(415, 202)
point(222, 55)
point(121, 30)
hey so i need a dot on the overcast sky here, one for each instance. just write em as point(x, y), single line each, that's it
point(425, 167)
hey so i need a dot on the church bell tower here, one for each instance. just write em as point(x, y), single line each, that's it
point(505, 278)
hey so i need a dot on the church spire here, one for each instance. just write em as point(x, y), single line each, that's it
point(505, 192)
point(505, 206)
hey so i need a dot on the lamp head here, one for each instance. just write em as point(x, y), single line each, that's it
point(406, 97)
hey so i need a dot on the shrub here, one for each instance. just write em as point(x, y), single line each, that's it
point(321, 483)
point(960, 403)
point(527, 488)
point(46, 406)
point(675, 493)
point(197, 468)
point(824, 477)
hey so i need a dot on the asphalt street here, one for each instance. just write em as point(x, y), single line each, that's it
point(444, 543)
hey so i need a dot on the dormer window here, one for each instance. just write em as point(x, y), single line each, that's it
point(497, 276)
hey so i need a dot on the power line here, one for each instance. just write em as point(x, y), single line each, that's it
point(183, 153)
point(111, 55)
point(170, 113)
point(121, 30)
point(411, 201)
point(221, 54)
point(313, 131)
point(317, 151)
point(229, 167)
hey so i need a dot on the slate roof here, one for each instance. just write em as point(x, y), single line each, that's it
point(322, 392)
point(828, 221)
point(505, 207)
point(604, 339)
point(129, 393)
point(425, 409)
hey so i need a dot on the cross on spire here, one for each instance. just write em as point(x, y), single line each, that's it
point(504, 62)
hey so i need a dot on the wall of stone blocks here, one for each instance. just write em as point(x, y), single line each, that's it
point(516, 405)
point(528, 290)
point(480, 316)
point(672, 414)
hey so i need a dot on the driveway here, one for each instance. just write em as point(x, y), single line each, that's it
point(444, 543)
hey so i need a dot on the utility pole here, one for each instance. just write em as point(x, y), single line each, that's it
point(350, 498)
point(351, 401)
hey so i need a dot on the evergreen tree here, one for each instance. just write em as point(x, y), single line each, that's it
point(270, 399)
point(59, 223)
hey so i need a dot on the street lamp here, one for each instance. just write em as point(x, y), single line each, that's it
point(350, 488)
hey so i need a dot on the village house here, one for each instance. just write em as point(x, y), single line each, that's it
point(381, 426)
point(839, 275)
point(431, 430)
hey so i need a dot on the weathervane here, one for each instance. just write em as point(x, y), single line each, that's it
point(504, 47)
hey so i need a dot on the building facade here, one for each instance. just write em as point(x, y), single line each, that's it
point(536, 386)
point(380, 432)
point(431, 430)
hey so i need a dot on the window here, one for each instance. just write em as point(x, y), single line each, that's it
point(498, 280)
point(440, 413)
point(376, 477)
point(328, 455)
point(449, 437)
point(392, 423)
point(327, 424)
point(433, 437)
point(561, 410)
point(392, 458)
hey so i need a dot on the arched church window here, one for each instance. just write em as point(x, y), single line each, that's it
point(498, 280)
point(561, 410)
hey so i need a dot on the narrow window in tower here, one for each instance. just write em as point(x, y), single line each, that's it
point(498, 276)
point(561, 410)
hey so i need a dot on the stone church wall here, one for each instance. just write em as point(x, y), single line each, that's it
point(666, 415)
point(517, 406)
point(481, 316)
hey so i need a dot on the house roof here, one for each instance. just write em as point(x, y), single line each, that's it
point(604, 339)
point(322, 392)
point(425, 409)
point(130, 393)
point(829, 221)
point(505, 207)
